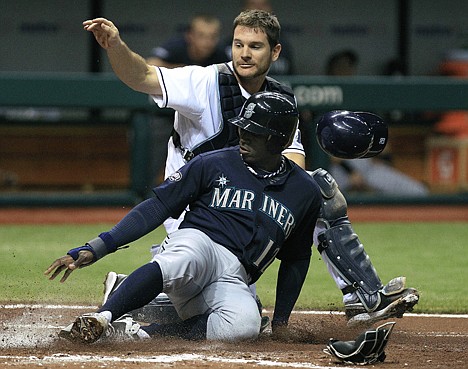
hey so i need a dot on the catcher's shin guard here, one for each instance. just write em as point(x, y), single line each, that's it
point(346, 254)
point(342, 248)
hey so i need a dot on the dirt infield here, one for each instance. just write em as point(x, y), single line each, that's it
point(28, 334)
point(29, 339)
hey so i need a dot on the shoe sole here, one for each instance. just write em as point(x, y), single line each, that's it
point(109, 283)
point(395, 310)
point(83, 329)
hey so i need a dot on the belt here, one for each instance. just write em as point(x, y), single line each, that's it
point(186, 153)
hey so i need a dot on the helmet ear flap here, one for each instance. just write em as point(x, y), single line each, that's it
point(380, 131)
point(275, 144)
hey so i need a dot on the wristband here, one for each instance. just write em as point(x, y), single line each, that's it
point(99, 247)
point(74, 253)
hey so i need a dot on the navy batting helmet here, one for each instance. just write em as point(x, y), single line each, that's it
point(351, 135)
point(269, 113)
point(379, 129)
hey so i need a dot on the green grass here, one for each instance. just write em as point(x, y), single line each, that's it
point(432, 256)
point(26, 251)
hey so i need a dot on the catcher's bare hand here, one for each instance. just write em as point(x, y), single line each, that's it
point(67, 264)
point(104, 31)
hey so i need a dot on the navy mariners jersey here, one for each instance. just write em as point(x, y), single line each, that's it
point(257, 219)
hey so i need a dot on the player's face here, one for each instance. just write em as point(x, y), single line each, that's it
point(251, 52)
point(254, 151)
point(203, 38)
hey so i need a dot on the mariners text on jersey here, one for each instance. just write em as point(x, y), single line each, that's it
point(243, 199)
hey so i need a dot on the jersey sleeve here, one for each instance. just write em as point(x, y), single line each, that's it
point(182, 187)
point(187, 89)
point(298, 246)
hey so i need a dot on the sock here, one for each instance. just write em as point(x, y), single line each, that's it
point(142, 334)
point(106, 314)
point(137, 290)
point(350, 297)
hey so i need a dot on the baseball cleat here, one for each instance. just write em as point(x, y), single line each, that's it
point(395, 300)
point(111, 283)
point(124, 328)
point(87, 328)
point(264, 323)
point(265, 319)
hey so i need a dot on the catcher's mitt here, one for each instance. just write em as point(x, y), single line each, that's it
point(368, 348)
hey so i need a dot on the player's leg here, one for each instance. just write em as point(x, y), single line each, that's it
point(139, 288)
point(180, 262)
point(217, 291)
point(234, 311)
point(366, 299)
point(158, 308)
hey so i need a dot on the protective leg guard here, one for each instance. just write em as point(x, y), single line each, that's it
point(337, 240)
point(347, 255)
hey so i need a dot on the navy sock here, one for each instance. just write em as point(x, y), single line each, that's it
point(137, 290)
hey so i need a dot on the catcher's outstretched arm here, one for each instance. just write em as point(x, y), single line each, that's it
point(130, 67)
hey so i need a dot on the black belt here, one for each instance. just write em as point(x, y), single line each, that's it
point(186, 153)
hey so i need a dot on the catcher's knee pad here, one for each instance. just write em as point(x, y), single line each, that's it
point(341, 245)
point(334, 207)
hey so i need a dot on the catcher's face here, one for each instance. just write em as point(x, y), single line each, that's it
point(251, 53)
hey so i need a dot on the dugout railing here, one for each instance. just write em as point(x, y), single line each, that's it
point(315, 93)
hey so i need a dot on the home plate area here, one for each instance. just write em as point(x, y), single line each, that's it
point(28, 338)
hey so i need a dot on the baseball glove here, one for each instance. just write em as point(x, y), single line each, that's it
point(368, 348)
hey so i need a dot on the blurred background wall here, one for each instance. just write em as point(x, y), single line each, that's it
point(96, 148)
point(46, 35)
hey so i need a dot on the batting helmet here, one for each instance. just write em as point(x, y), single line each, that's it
point(351, 135)
point(379, 129)
point(269, 113)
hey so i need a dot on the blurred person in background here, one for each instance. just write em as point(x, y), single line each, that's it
point(342, 63)
point(198, 45)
